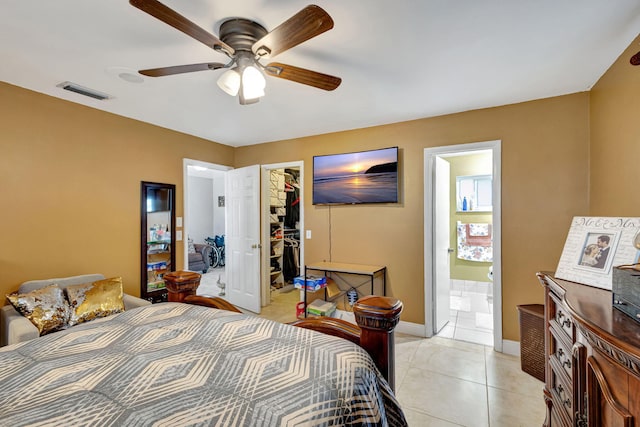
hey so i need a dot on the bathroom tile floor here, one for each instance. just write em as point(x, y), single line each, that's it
point(471, 312)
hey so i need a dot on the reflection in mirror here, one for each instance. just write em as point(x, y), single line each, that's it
point(157, 238)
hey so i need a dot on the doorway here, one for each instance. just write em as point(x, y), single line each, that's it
point(204, 217)
point(204, 223)
point(282, 243)
point(462, 243)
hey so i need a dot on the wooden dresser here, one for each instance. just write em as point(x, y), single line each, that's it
point(592, 354)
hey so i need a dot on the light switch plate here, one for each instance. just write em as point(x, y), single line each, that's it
point(179, 235)
point(308, 234)
point(178, 221)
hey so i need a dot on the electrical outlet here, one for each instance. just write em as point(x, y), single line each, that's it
point(178, 235)
point(308, 234)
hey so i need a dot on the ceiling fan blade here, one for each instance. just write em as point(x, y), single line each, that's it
point(635, 59)
point(301, 75)
point(179, 22)
point(179, 69)
point(308, 23)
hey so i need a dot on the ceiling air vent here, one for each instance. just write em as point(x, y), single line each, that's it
point(73, 87)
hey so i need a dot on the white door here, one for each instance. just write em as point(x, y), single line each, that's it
point(441, 243)
point(242, 241)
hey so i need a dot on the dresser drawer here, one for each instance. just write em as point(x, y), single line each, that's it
point(559, 318)
point(561, 391)
point(560, 353)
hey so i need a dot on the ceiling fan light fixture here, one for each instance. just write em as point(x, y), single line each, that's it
point(253, 83)
point(229, 82)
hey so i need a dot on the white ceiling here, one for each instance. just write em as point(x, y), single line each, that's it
point(399, 60)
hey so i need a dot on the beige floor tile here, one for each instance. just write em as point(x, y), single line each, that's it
point(444, 397)
point(460, 303)
point(453, 361)
point(418, 419)
point(462, 345)
point(508, 409)
point(477, 336)
point(448, 330)
point(475, 320)
point(504, 372)
point(405, 350)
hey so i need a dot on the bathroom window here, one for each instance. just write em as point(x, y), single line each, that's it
point(474, 193)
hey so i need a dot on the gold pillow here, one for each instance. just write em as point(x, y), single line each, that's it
point(98, 299)
point(46, 308)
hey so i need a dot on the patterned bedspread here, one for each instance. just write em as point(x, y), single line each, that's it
point(176, 364)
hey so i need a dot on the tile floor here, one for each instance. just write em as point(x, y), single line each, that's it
point(471, 312)
point(442, 382)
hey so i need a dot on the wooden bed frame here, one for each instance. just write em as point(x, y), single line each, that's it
point(376, 316)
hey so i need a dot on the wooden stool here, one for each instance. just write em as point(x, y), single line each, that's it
point(180, 284)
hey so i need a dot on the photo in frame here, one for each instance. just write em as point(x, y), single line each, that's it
point(594, 246)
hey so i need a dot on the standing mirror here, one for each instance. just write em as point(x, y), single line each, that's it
point(158, 229)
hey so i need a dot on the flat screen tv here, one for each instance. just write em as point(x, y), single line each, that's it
point(352, 178)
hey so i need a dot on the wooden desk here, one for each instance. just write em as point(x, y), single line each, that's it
point(343, 268)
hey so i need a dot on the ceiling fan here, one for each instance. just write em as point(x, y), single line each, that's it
point(246, 42)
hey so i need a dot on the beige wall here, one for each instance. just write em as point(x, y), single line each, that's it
point(615, 139)
point(70, 187)
point(545, 146)
point(70, 179)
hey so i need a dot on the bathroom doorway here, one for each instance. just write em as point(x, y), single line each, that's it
point(462, 243)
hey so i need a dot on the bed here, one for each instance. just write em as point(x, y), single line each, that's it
point(175, 364)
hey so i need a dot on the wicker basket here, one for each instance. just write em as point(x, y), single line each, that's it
point(532, 339)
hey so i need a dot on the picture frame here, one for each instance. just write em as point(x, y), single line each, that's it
point(594, 245)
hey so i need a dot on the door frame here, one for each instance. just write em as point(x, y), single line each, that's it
point(185, 201)
point(265, 226)
point(429, 196)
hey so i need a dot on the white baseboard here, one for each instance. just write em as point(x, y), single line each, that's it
point(418, 330)
point(410, 328)
point(511, 347)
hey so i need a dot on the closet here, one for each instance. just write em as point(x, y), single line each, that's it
point(284, 217)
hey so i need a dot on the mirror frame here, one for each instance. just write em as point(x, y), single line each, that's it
point(159, 295)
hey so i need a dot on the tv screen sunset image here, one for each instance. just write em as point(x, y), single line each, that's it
point(362, 177)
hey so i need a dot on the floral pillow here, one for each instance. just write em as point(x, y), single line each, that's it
point(46, 308)
point(192, 248)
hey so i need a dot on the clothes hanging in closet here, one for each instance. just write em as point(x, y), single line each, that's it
point(290, 257)
point(293, 208)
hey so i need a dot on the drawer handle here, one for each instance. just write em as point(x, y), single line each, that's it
point(566, 401)
point(560, 355)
